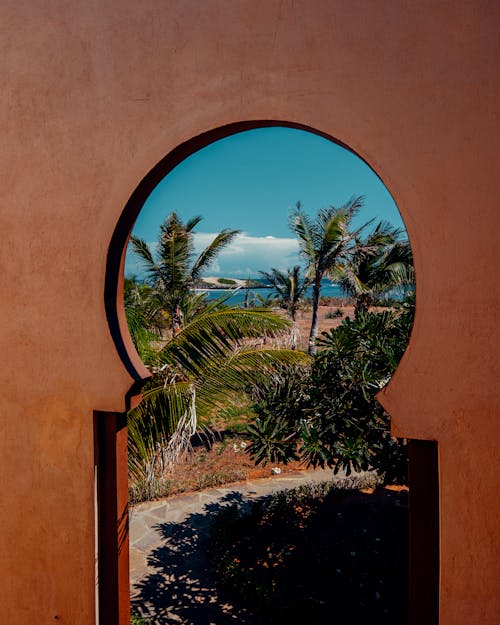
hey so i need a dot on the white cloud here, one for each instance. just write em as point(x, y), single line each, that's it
point(245, 256)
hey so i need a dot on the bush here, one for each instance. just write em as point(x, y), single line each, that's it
point(227, 281)
point(331, 417)
point(334, 314)
point(317, 554)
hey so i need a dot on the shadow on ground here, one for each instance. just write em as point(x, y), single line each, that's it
point(183, 589)
point(342, 558)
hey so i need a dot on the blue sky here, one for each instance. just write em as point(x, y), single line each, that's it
point(250, 182)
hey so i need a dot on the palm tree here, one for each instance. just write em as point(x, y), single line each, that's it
point(325, 243)
point(145, 317)
point(174, 270)
point(208, 363)
point(379, 263)
point(291, 288)
point(209, 357)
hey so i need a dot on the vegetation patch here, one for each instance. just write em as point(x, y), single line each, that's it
point(327, 553)
point(227, 281)
point(214, 461)
point(329, 416)
point(334, 314)
point(205, 355)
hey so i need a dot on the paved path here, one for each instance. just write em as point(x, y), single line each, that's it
point(169, 575)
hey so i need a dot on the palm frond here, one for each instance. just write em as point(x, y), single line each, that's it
point(142, 250)
point(209, 254)
point(303, 227)
point(223, 381)
point(175, 250)
point(193, 222)
point(214, 335)
point(164, 411)
point(350, 281)
point(353, 205)
point(141, 335)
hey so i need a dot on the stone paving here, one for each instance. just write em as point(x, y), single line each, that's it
point(169, 576)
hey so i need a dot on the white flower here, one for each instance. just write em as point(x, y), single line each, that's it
point(275, 470)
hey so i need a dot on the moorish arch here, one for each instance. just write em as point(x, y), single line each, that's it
point(111, 428)
point(97, 94)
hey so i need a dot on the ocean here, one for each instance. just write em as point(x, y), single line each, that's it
point(328, 289)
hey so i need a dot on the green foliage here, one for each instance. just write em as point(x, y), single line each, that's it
point(290, 287)
point(334, 314)
point(235, 416)
point(325, 243)
point(206, 365)
point(209, 357)
point(303, 555)
point(227, 281)
point(174, 269)
point(145, 316)
point(331, 417)
point(278, 403)
point(379, 263)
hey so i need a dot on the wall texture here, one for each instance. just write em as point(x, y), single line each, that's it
point(95, 93)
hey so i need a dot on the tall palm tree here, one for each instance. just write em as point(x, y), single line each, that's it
point(174, 269)
point(380, 262)
point(291, 288)
point(208, 358)
point(325, 243)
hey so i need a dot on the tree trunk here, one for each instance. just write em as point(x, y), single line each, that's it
point(293, 337)
point(314, 322)
point(362, 304)
point(177, 320)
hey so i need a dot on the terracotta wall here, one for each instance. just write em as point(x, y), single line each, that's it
point(95, 93)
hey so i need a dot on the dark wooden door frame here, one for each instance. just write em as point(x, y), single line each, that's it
point(113, 532)
point(423, 598)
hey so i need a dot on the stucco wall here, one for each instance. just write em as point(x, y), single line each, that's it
point(95, 93)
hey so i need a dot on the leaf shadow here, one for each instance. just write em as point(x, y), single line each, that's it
point(182, 588)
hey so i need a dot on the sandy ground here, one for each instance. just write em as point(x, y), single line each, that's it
point(324, 323)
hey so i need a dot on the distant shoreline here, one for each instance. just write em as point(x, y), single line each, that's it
point(214, 283)
point(223, 287)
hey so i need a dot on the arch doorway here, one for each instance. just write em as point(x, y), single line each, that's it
point(111, 429)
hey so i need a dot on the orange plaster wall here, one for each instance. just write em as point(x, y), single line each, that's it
point(95, 93)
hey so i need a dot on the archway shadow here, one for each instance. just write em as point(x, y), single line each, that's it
point(325, 577)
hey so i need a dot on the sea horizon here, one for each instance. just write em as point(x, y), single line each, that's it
point(328, 289)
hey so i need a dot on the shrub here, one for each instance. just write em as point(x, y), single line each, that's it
point(331, 417)
point(219, 477)
point(315, 554)
point(227, 281)
point(334, 314)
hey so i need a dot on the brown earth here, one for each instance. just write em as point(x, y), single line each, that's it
point(324, 323)
point(219, 459)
